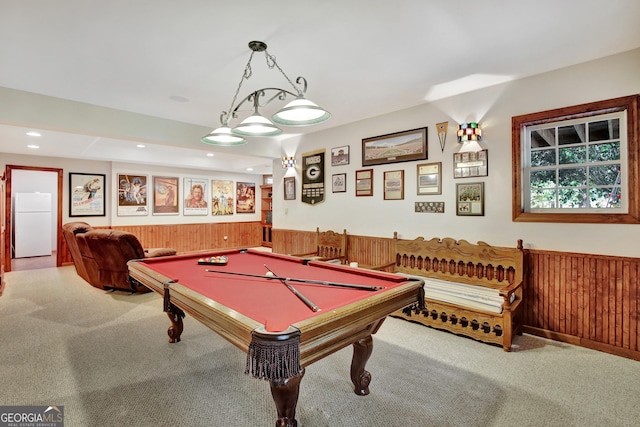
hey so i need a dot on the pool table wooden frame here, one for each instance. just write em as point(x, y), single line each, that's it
point(319, 336)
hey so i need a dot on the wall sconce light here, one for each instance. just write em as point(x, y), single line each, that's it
point(469, 132)
point(288, 162)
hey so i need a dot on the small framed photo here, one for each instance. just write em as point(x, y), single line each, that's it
point(471, 164)
point(429, 178)
point(364, 182)
point(339, 183)
point(86, 194)
point(394, 185)
point(340, 156)
point(290, 188)
point(470, 199)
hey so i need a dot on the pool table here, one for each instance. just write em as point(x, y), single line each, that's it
point(284, 312)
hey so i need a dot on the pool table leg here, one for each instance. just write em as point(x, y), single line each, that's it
point(285, 395)
point(360, 377)
point(175, 330)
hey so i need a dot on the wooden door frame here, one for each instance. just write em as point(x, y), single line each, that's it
point(7, 213)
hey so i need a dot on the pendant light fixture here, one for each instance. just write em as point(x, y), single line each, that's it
point(298, 112)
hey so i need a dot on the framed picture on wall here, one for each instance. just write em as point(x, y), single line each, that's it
point(166, 192)
point(86, 194)
point(470, 199)
point(196, 191)
point(340, 156)
point(394, 185)
point(395, 147)
point(132, 195)
point(339, 183)
point(245, 197)
point(429, 178)
point(222, 197)
point(290, 188)
point(364, 182)
point(471, 164)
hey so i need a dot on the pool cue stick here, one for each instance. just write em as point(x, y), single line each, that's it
point(310, 281)
point(304, 299)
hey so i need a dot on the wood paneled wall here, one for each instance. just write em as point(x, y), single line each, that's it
point(365, 250)
point(292, 241)
point(587, 300)
point(192, 237)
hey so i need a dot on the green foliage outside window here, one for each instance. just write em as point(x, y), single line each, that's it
point(576, 166)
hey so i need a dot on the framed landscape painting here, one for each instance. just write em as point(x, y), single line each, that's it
point(395, 147)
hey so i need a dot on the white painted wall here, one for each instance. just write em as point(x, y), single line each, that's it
point(111, 171)
point(494, 107)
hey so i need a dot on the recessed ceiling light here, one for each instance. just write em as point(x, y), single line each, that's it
point(33, 133)
point(140, 145)
point(249, 169)
point(178, 98)
point(210, 154)
point(33, 147)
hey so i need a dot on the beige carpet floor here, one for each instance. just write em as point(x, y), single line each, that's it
point(104, 356)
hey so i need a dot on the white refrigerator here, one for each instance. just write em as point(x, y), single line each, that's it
point(32, 225)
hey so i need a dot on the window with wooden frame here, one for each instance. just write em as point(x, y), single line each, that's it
point(578, 164)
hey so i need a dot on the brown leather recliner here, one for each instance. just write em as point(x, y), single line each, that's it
point(83, 260)
point(111, 250)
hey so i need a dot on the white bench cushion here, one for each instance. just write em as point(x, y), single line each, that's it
point(461, 294)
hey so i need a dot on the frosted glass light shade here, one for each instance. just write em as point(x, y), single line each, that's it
point(256, 125)
point(223, 136)
point(301, 112)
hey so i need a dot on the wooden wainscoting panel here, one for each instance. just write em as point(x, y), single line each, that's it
point(370, 251)
point(583, 299)
point(293, 241)
point(188, 237)
point(197, 237)
point(593, 299)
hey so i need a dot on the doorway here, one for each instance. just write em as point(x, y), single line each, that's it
point(55, 260)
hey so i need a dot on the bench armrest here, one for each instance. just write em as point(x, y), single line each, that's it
point(508, 291)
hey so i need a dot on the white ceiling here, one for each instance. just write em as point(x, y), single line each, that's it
point(362, 58)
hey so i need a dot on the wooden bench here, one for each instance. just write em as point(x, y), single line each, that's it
point(497, 271)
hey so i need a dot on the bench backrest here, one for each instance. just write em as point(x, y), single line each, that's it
point(331, 244)
point(460, 261)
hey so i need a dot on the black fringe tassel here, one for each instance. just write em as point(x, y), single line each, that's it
point(272, 360)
